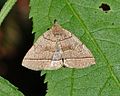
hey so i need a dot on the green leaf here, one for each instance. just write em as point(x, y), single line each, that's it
point(6, 9)
point(98, 30)
point(7, 89)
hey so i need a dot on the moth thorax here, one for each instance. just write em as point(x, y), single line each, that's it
point(57, 35)
point(57, 30)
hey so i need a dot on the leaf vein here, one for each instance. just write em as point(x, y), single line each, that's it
point(76, 77)
point(113, 42)
point(94, 42)
point(101, 89)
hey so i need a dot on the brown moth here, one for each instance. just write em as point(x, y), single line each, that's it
point(56, 48)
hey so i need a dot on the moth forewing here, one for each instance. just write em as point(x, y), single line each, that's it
point(55, 48)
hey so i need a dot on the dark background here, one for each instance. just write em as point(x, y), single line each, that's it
point(15, 40)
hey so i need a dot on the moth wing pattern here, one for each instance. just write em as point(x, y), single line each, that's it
point(40, 55)
point(78, 56)
point(55, 48)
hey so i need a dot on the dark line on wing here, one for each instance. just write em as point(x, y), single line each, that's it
point(79, 58)
point(56, 60)
point(59, 40)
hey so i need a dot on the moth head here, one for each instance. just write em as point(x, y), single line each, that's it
point(57, 33)
point(57, 29)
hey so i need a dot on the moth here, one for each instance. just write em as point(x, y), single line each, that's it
point(56, 48)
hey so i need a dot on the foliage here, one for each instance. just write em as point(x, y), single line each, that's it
point(98, 30)
point(6, 9)
point(7, 89)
